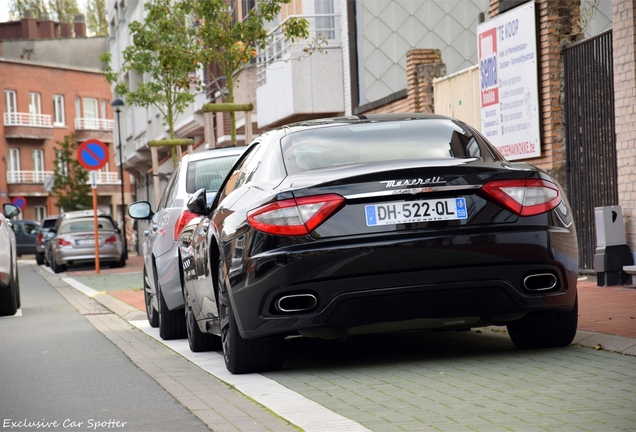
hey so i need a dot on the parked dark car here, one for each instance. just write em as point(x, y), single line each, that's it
point(373, 224)
point(26, 232)
point(40, 241)
point(162, 281)
point(9, 277)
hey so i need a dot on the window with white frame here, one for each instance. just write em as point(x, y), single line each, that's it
point(10, 107)
point(40, 213)
point(38, 165)
point(14, 165)
point(78, 110)
point(10, 104)
point(61, 165)
point(35, 108)
point(91, 117)
point(58, 110)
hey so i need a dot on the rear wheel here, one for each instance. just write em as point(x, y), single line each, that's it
point(245, 355)
point(39, 258)
point(199, 341)
point(171, 323)
point(544, 329)
point(120, 263)
point(57, 268)
point(151, 313)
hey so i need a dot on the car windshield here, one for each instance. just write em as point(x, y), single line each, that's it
point(48, 223)
point(371, 142)
point(208, 173)
point(85, 224)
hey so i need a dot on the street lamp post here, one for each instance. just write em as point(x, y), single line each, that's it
point(116, 104)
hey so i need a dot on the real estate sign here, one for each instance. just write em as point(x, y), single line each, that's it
point(507, 52)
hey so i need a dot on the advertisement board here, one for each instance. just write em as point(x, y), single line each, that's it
point(509, 96)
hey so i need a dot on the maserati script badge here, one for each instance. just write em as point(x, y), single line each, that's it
point(413, 182)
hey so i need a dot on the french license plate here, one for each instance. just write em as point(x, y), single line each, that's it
point(416, 211)
point(89, 242)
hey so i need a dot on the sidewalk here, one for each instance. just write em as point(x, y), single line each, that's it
point(607, 315)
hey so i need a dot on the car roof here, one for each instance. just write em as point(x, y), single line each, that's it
point(82, 213)
point(214, 153)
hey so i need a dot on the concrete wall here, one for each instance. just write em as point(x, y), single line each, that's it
point(83, 53)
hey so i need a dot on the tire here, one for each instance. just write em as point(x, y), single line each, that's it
point(9, 297)
point(39, 258)
point(151, 312)
point(245, 355)
point(171, 323)
point(57, 268)
point(120, 263)
point(544, 329)
point(199, 341)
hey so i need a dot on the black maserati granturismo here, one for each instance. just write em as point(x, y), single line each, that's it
point(339, 227)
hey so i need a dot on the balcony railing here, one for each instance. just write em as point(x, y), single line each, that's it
point(93, 124)
point(27, 119)
point(18, 177)
point(324, 27)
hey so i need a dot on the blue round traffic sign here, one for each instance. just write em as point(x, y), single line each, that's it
point(92, 154)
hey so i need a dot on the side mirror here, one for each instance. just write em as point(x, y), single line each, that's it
point(10, 210)
point(198, 203)
point(140, 210)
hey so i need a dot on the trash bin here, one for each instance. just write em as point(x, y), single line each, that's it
point(612, 252)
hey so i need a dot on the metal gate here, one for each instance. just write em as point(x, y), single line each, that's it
point(591, 142)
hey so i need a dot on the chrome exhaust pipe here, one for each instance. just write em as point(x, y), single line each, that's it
point(296, 303)
point(540, 282)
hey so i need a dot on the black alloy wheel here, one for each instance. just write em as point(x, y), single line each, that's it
point(245, 355)
point(199, 341)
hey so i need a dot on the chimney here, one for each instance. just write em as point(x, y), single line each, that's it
point(65, 30)
point(46, 27)
point(29, 26)
point(80, 26)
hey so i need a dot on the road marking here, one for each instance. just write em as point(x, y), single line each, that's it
point(90, 292)
point(293, 407)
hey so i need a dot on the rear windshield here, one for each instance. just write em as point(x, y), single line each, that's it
point(380, 141)
point(208, 173)
point(48, 223)
point(85, 224)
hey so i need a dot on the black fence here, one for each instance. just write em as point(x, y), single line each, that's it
point(590, 140)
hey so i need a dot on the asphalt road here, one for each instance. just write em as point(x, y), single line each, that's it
point(58, 372)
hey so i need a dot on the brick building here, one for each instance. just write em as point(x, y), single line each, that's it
point(52, 87)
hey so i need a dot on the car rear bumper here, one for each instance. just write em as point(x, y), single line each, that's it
point(84, 256)
point(430, 283)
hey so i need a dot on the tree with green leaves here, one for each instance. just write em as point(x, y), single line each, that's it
point(70, 180)
point(96, 19)
point(63, 11)
point(227, 44)
point(162, 57)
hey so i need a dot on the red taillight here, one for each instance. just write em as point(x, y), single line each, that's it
point(62, 242)
point(111, 239)
point(525, 197)
point(185, 217)
point(294, 217)
point(40, 237)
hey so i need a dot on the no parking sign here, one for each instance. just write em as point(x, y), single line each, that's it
point(92, 154)
point(19, 202)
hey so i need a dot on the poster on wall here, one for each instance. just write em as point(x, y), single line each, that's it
point(509, 96)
